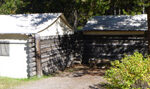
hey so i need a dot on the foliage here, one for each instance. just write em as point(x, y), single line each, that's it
point(128, 7)
point(79, 10)
point(76, 11)
point(10, 6)
point(89, 8)
point(131, 72)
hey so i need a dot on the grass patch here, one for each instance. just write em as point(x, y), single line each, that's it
point(10, 83)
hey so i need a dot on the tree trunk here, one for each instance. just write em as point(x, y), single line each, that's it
point(148, 35)
point(75, 20)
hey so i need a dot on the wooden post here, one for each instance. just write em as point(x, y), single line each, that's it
point(148, 16)
point(38, 56)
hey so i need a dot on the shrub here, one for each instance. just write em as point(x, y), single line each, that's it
point(132, 72)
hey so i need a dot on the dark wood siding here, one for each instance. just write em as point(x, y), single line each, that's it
point(58, 52)
point(113, 47)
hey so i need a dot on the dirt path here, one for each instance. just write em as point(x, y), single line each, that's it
point(79, 79)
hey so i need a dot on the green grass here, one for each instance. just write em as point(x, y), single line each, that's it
point(10, 83)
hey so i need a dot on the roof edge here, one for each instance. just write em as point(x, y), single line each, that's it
point(65, 21)
point(48, 25)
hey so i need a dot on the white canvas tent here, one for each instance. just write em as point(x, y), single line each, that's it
point(14, 33)
point(116, 25)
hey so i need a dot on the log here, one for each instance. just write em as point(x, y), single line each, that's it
point(45, 64)
point(33, 64)
point(38, 56)
point(45, 60)
point(49, 46)
point(46, 56)
point(32, 49)
point(31, 45)
point(49, 37)
point(32, 74)
point(31, 60)
point(31, 40)
point(31, 55)
point(32, 69)
point(49, 42)
point(45, 50)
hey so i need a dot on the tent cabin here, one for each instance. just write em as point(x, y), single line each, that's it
point(110, 37)
point(14, 34)
point(116, 25)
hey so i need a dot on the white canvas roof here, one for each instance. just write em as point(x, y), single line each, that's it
point(121, 23)
point(26, 23)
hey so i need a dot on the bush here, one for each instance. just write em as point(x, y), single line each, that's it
point(132, 72)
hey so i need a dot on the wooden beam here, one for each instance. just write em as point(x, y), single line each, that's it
point(38, 56)
point(113, 32)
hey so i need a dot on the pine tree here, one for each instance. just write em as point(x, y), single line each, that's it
point(10, 6)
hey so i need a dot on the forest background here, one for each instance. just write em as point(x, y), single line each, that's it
point(77, 12)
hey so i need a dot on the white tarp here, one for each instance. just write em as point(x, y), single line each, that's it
point(26, 23)
point(122, 22)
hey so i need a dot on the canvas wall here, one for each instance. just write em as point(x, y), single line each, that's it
point(15, 64)
point(58, 28)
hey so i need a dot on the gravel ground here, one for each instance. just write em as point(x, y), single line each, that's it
point(79, 78)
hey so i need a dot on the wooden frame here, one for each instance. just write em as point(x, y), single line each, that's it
point(114, 32)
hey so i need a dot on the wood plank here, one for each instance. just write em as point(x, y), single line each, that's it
point(31, 65)
point(49, 46)
point(113, 32)
point(49, 42)
point(49, 50)
point(32, 60)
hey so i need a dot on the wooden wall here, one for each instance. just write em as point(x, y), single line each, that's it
point(112, 47)
point(32, 67)
point(58, 52)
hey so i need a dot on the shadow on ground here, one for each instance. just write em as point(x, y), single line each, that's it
point(98, 86)
point(81, 70)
